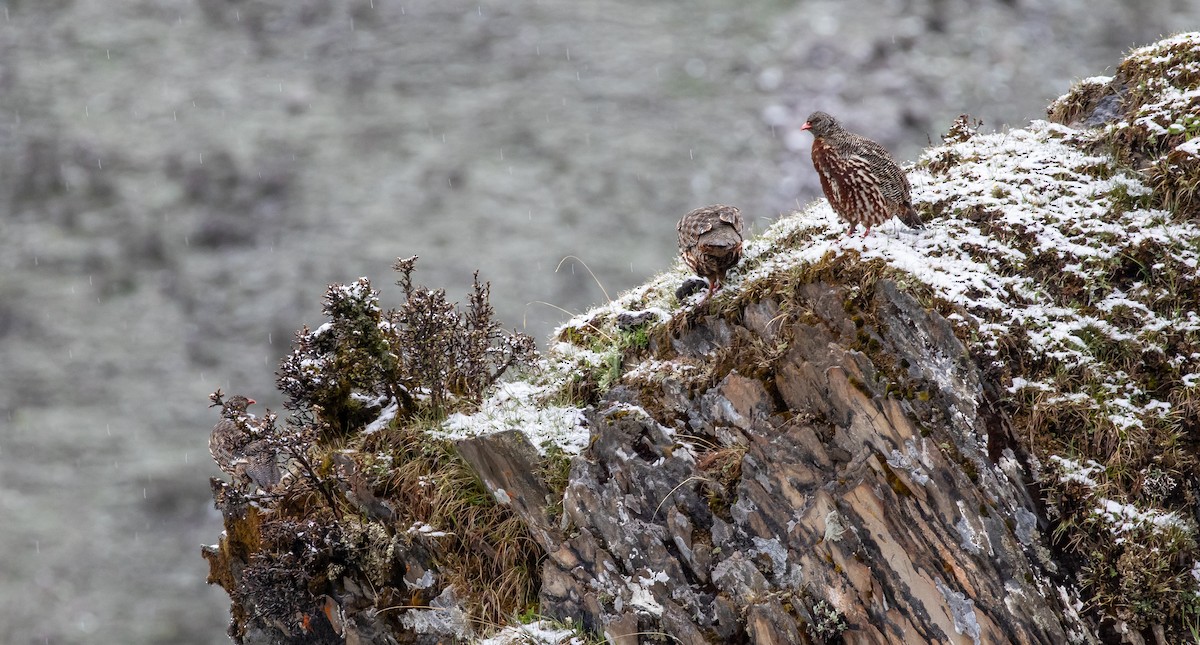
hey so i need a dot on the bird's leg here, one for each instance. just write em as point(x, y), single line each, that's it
point(712, 286)
point(867, 232)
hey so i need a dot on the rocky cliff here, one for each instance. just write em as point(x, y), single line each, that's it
point(981, 431)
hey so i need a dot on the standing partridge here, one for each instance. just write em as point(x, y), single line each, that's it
point(238, 452)
point(710, 241)
point(862, 182)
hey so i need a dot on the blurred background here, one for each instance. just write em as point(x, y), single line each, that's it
point(180, 179)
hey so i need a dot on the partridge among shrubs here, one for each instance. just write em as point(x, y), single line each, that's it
point(710, 241)
point(245, 458)
point(862, 182)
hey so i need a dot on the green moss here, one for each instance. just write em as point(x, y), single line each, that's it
point(858, 384)
point(722, 470)
point(894, 481)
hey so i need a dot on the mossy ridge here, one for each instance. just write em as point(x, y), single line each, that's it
point(400, 491)
point(1119, 396)
point(1157, 90)
point(1153, 110)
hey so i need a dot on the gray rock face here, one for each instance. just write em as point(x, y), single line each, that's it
point(506, 462)
point(847, 493)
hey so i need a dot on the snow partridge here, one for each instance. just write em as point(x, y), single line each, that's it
point(862, 182)
point(710, 241)
point(237, 451)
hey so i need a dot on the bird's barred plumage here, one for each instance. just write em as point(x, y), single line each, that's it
point(710, 241)
point(235, 450)
point(862, 182)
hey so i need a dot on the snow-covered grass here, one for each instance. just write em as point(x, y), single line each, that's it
point(1158, 90)
point(1123, 518)
point(523, 406)
point(586, 355)
point(1071, 470)
point(540, 632)
point(1118, 520)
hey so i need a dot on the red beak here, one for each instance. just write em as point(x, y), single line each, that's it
point(250, 401)
point(806, 126)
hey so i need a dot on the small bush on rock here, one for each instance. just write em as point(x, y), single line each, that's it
point(428, 354)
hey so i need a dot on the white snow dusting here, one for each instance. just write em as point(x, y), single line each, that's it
point(1126, 517)
point(421, 528)
point(1073, 471)
point(540, 632)
point(385, 417)
point(521, 405)
point(1191, 147)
